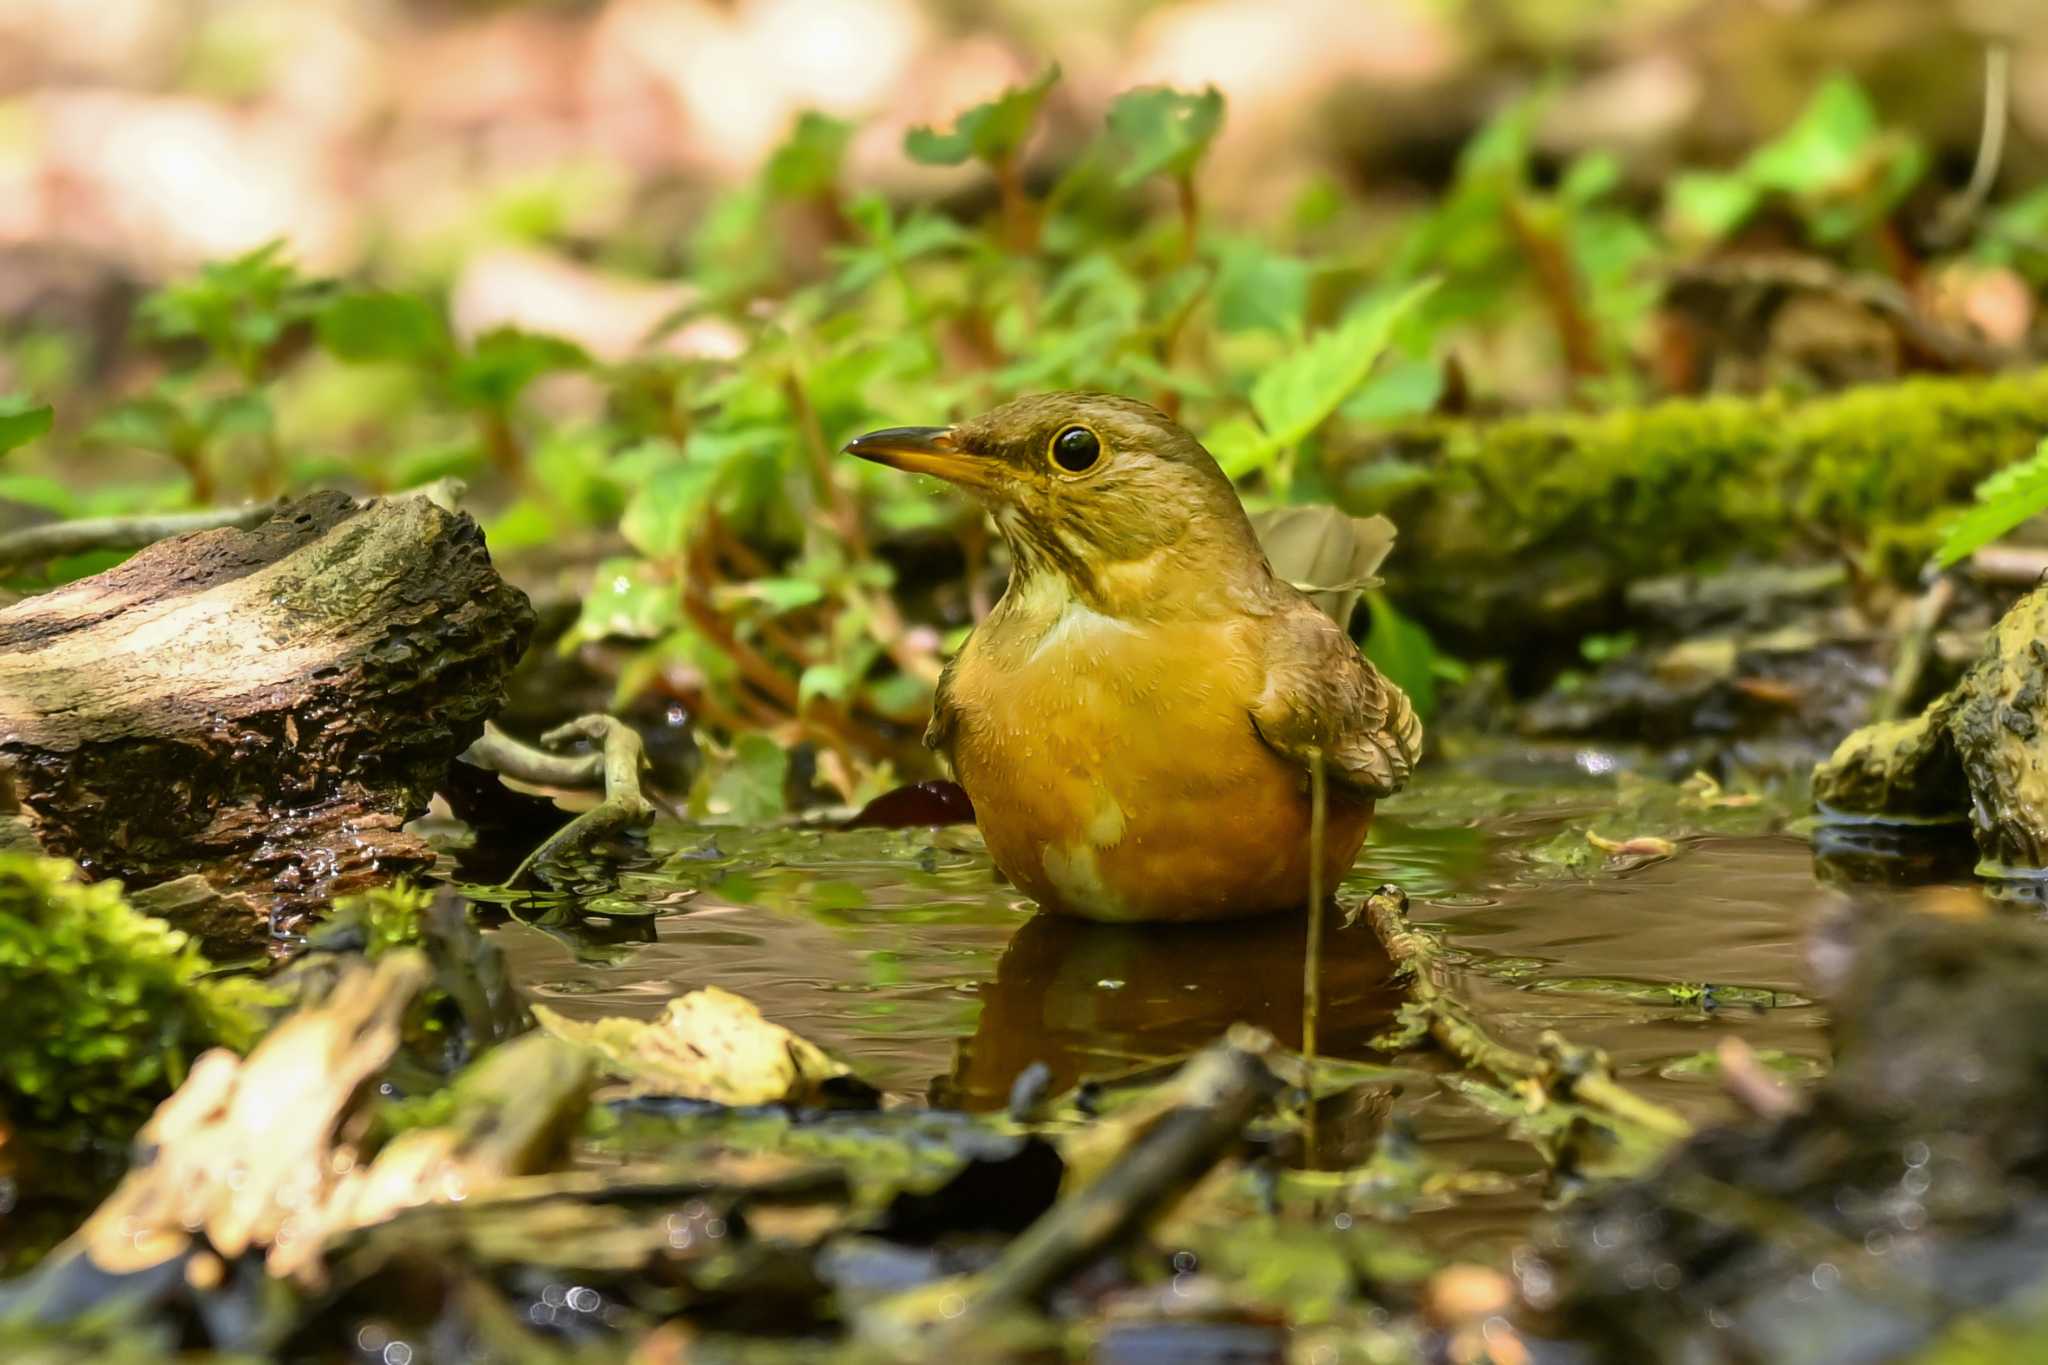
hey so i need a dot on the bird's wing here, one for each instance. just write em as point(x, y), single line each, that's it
point(938, 732)
point(1322, 694)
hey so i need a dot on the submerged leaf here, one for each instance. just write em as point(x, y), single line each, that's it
point(707, 1045)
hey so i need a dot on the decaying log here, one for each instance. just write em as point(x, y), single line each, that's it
point(265, 707)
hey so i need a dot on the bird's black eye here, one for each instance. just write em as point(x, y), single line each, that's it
point(1076, 450)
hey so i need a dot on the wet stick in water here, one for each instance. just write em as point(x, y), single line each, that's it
point(1567, 1072)
point(1312, 958)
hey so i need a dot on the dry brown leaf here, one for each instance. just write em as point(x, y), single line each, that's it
point(708, 1045)
point(1640, 846)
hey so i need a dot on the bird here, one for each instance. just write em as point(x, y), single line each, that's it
point(1137, 719)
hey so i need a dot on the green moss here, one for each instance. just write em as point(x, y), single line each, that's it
point(390, 916)
point(1578, 505)
point(105, 1008)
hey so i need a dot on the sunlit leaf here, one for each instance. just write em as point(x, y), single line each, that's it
point(1295, 397)
point(1164, 131)
point(1709, 206)
point(1589, 176)
point(707, 1045)
point(2004, 501)
point(1239, 446)
point(39, 490)
point(1823, 145)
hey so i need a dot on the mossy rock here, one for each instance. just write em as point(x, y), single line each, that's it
point(1539, 523)
point(1979, 751)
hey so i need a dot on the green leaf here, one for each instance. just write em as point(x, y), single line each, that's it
point(1401, 388)
point(20, 424)
point(238, 414)
point(2004, 501)
point(664, 509)
point(1589, 176)
point(1257, 288)
point(506, 359)
point(1402, 649)
point(152, 422)
point(830, 681)
point(1296, 396)
point(808, 161)
point(1823, 146)
point(1164, 131)
point(749, 790)
point(1240, 447)
point(39, 490)
point(1708, 206)
point(377, 326)
point(625, 602)
point(991, 133)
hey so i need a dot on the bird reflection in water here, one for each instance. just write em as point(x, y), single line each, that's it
point(1090, 999)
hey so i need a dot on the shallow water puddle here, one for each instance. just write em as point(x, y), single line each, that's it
point(902, 951)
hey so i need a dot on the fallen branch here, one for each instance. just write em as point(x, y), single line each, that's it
point(616, 764)
point(1563, 1070)
point(58, 539)
point(1207, 1105)
point(267, 708)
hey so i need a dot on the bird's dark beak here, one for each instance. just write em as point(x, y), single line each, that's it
point(922, 450)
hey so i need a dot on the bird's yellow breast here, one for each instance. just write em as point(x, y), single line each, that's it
point(1116, 774)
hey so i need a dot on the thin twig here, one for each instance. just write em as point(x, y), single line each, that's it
point(1747, 1082)
point(57, 539)
point(1909, 662)
point(1959, 212)
point(885, 624)
point(1218, 1091)
point(1312, 958)
point(2020, 566)
point(617, 763)
point(1190, 214)
point(1875, 292)
point(1557, 283)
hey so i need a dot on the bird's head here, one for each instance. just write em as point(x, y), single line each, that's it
point(1107, 492)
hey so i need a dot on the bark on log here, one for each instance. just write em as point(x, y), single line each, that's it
point(265, 707)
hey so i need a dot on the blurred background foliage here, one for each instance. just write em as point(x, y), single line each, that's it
point(633, 271)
